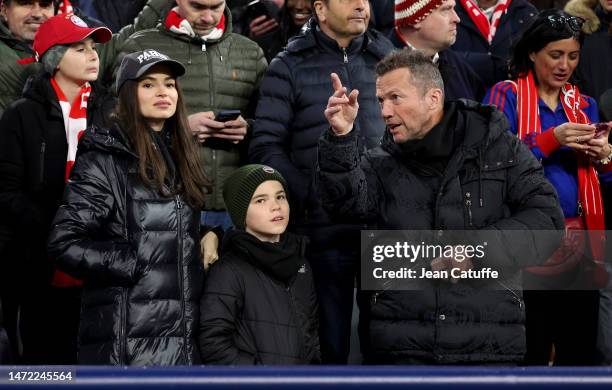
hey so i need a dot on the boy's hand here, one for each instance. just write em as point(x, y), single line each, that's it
point(209, 246)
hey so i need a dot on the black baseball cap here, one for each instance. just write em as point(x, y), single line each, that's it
point(136, 64)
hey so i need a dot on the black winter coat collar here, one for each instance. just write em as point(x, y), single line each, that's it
point(38, 88)
point(112, 140)
point(459, 115)
point(312, 36)
point(436, 148)
point(280, 260)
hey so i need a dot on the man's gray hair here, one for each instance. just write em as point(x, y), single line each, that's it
point(424, 74)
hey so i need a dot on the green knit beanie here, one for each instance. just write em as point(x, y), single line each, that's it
point(239, 188)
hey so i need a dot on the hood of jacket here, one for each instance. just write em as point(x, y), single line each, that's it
point(590, 10)
point(311, 36)
point(111, 140)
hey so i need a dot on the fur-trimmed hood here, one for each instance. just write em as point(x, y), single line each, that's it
point(585, 9)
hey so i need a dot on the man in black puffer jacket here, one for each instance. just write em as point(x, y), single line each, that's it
point(433, 162)
point(289, 120)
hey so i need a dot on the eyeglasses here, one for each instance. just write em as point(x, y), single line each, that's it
point(558, 22)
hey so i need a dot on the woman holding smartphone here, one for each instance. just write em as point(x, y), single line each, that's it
point(129, 224)
point(546, 110)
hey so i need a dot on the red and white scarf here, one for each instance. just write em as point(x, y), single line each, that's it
point(75, 123)
point(65, 7)
point(75, 119)
point(486, 28)
point(589, 191)
point(179, 25)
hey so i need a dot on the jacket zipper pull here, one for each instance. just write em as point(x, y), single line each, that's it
point(204, 46)
point(179, 204)
point(41, 162)
point(468, 203)
point(345, 55)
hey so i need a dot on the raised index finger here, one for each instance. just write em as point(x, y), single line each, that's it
point(336, 83)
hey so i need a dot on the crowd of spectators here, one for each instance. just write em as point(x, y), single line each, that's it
point(152, 149)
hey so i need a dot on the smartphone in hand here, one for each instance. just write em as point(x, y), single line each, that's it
point(257, 8)
point(600, 129)
point(227, 115)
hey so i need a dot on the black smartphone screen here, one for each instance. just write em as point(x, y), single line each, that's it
point(227, 115)
point(257, 8)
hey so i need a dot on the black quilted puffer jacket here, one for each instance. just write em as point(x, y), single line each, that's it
point(138, 253)
point(394, 188)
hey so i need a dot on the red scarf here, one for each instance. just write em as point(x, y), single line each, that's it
point(486, 28)
point(179, 25)
point(65, 7)
point(75, 123)
point(589, 192)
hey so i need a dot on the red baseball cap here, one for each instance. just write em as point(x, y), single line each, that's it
point(65, 29)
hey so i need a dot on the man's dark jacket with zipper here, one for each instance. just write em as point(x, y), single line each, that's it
point(33, 152)
point(467, 173)
point(293, 96)
point(138, 254)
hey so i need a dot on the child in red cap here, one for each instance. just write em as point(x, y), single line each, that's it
point(39, 135)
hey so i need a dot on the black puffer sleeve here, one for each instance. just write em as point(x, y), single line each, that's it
point(90, 197)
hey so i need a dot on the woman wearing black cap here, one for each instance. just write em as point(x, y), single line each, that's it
point(39, 134)
point(129, 224)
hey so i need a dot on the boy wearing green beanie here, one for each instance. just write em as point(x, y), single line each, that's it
point(259, 304)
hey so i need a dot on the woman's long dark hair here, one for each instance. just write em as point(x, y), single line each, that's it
point(539, 33)
point(151, 165)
